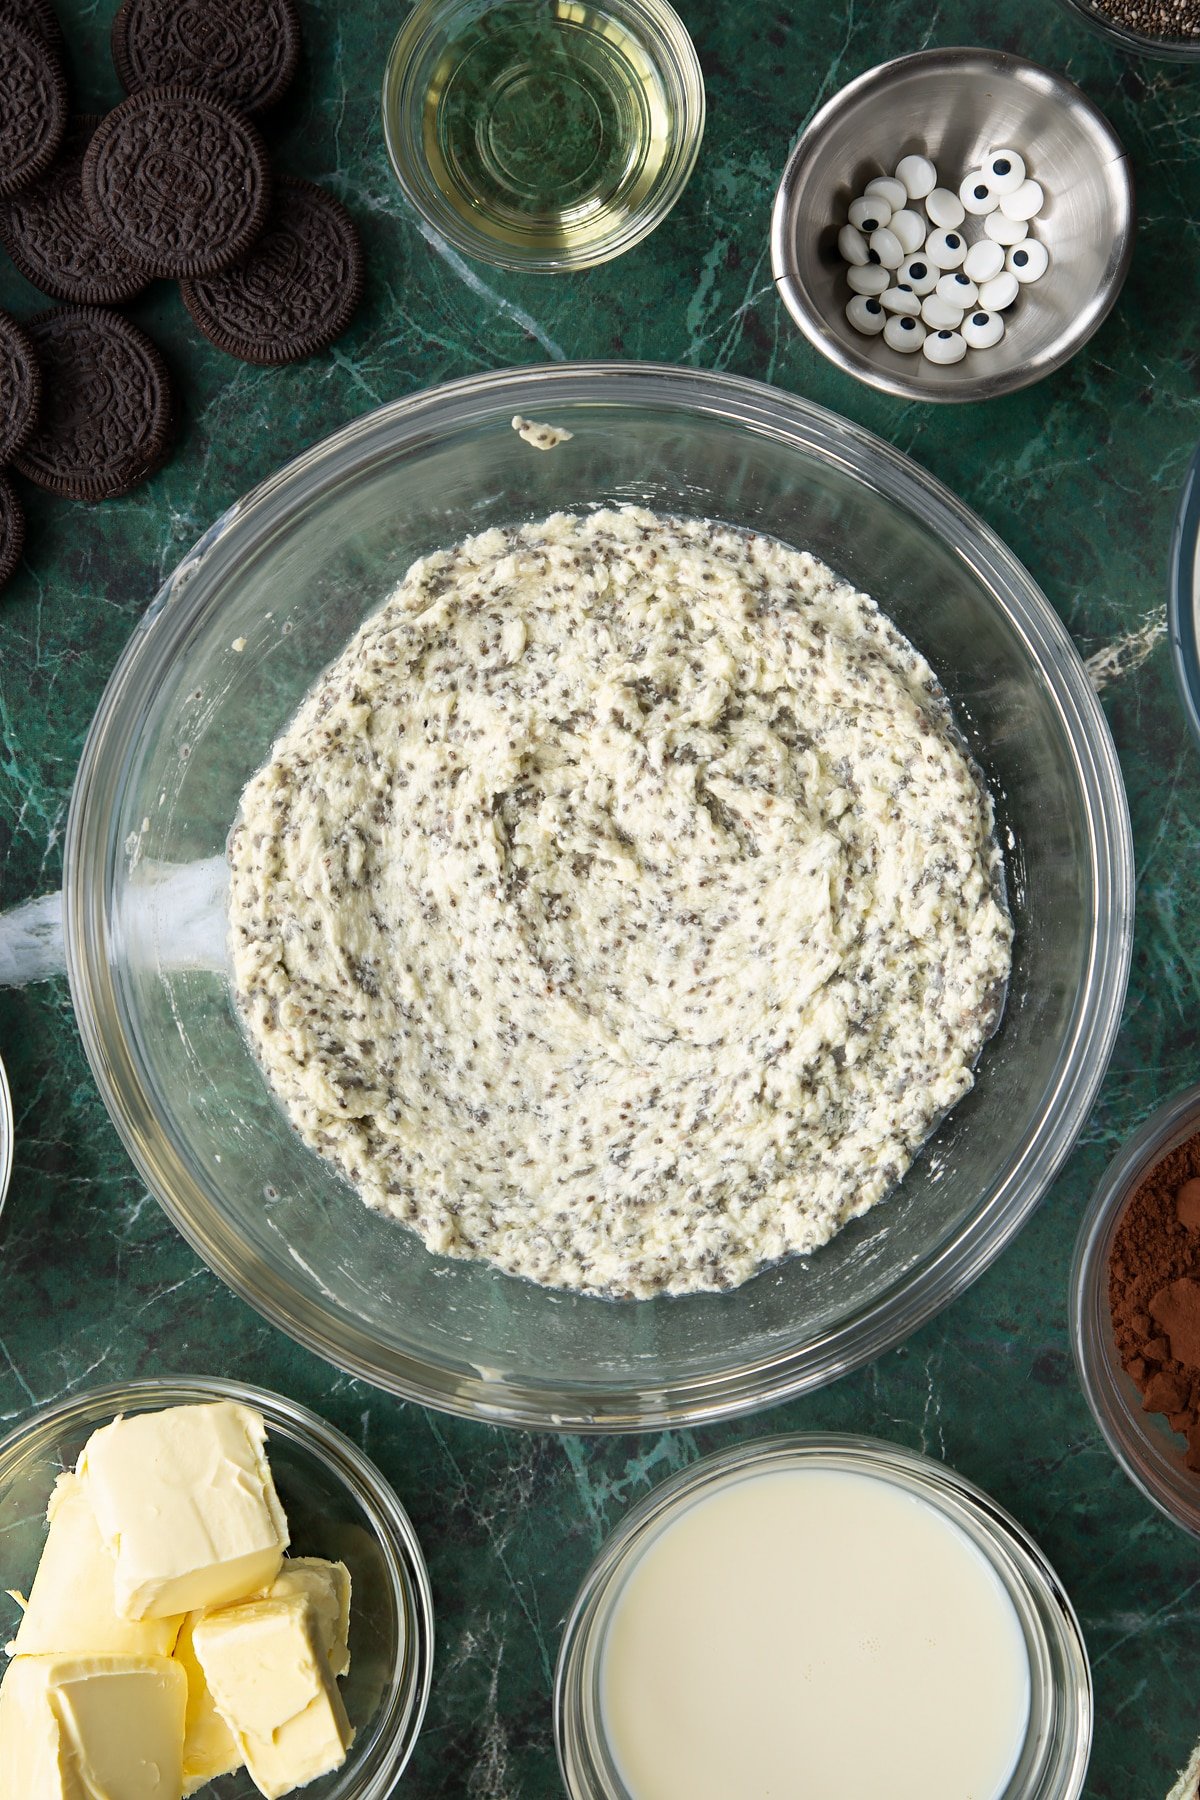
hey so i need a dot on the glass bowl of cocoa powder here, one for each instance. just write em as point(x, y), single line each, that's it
point(1135, 1308)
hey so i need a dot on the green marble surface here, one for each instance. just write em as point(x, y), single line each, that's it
point(1080, 475)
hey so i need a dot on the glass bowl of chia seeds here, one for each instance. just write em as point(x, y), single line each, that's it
point(219, 664)
point(1166, 29)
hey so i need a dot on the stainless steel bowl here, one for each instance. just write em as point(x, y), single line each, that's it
point(954, 106)
point(218, 666)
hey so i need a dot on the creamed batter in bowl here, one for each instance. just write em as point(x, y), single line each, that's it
point(622, 906)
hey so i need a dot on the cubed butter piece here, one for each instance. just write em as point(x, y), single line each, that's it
point(209, 1747)
point(271, 1680)
point(92, 1728)
point(72, 1605)
point(326, 1586)
point(185, 1501)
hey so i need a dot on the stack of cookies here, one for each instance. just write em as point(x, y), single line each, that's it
point(175, 183)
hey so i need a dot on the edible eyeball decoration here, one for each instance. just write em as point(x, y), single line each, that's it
point(918, 175)
point(948, 249)
point(1004, 171)
point(901, 300)
point(909, 227)
point(1003, 230)
point(871, 279)
point(1028, 261)
point(866, 315)
point(918, 274)
point(944, 347)
point(932, 267)
point(982, 330)
point(869, 215)
point(977, 197)
point(958, 289)
point(984, 260)
point(945, 209)
point(904, 334)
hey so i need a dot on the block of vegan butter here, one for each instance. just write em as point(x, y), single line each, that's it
point(72, 1606)
point(270, 1677)
point(326, 1586)
point(92, 1728)
point(185, 1501)
point(209, 1747)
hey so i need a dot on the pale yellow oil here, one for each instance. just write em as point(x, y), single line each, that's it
point(546, 124)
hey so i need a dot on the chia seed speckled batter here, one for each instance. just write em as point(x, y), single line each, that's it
point(621, 906)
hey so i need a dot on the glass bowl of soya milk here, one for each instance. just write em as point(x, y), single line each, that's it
point(835, 1604)
point(216, 671)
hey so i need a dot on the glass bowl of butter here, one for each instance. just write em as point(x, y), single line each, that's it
point(208, 1585)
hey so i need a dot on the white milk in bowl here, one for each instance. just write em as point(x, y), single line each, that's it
point(813, 1634)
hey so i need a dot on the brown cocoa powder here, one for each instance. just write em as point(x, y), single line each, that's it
point(1154, 1291)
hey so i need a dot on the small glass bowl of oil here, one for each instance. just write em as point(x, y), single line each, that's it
point(543, 134)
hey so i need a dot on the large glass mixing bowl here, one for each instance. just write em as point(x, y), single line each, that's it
point(218, 666)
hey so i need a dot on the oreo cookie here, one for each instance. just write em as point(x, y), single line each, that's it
point(12, 530)
point(178, 183)
point(243, 51)
point(20, 388)
point(107, 414)
point(49, 234)
point(37, 17)
point(295, 292)
point(33, 104)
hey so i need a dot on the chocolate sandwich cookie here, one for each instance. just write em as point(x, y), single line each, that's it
point(243, 51)
point(38, 17)
point(177, 182)
point(49, 234)
point(107, 415)
point(33, 104)
point(295, 292)
point(20, 388)
point(12, 530)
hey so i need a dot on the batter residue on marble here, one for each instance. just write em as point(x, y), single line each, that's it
point(621, 906)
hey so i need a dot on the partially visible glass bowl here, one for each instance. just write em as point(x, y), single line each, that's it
point(338, 1506)
point(1134, 43)
point(6, 1136)
point(1054, 1757)
point(1150, 1453)
point(1183, 597)
point(217, 668)
point(616, 96)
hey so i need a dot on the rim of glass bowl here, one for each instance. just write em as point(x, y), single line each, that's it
point(1134, 43)
point(400, 1726)
point(1059, 1738)
point(1147, 1452)
point(403, 103)
point(7, 1132)
point(90, 861)
point(1183, 597)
